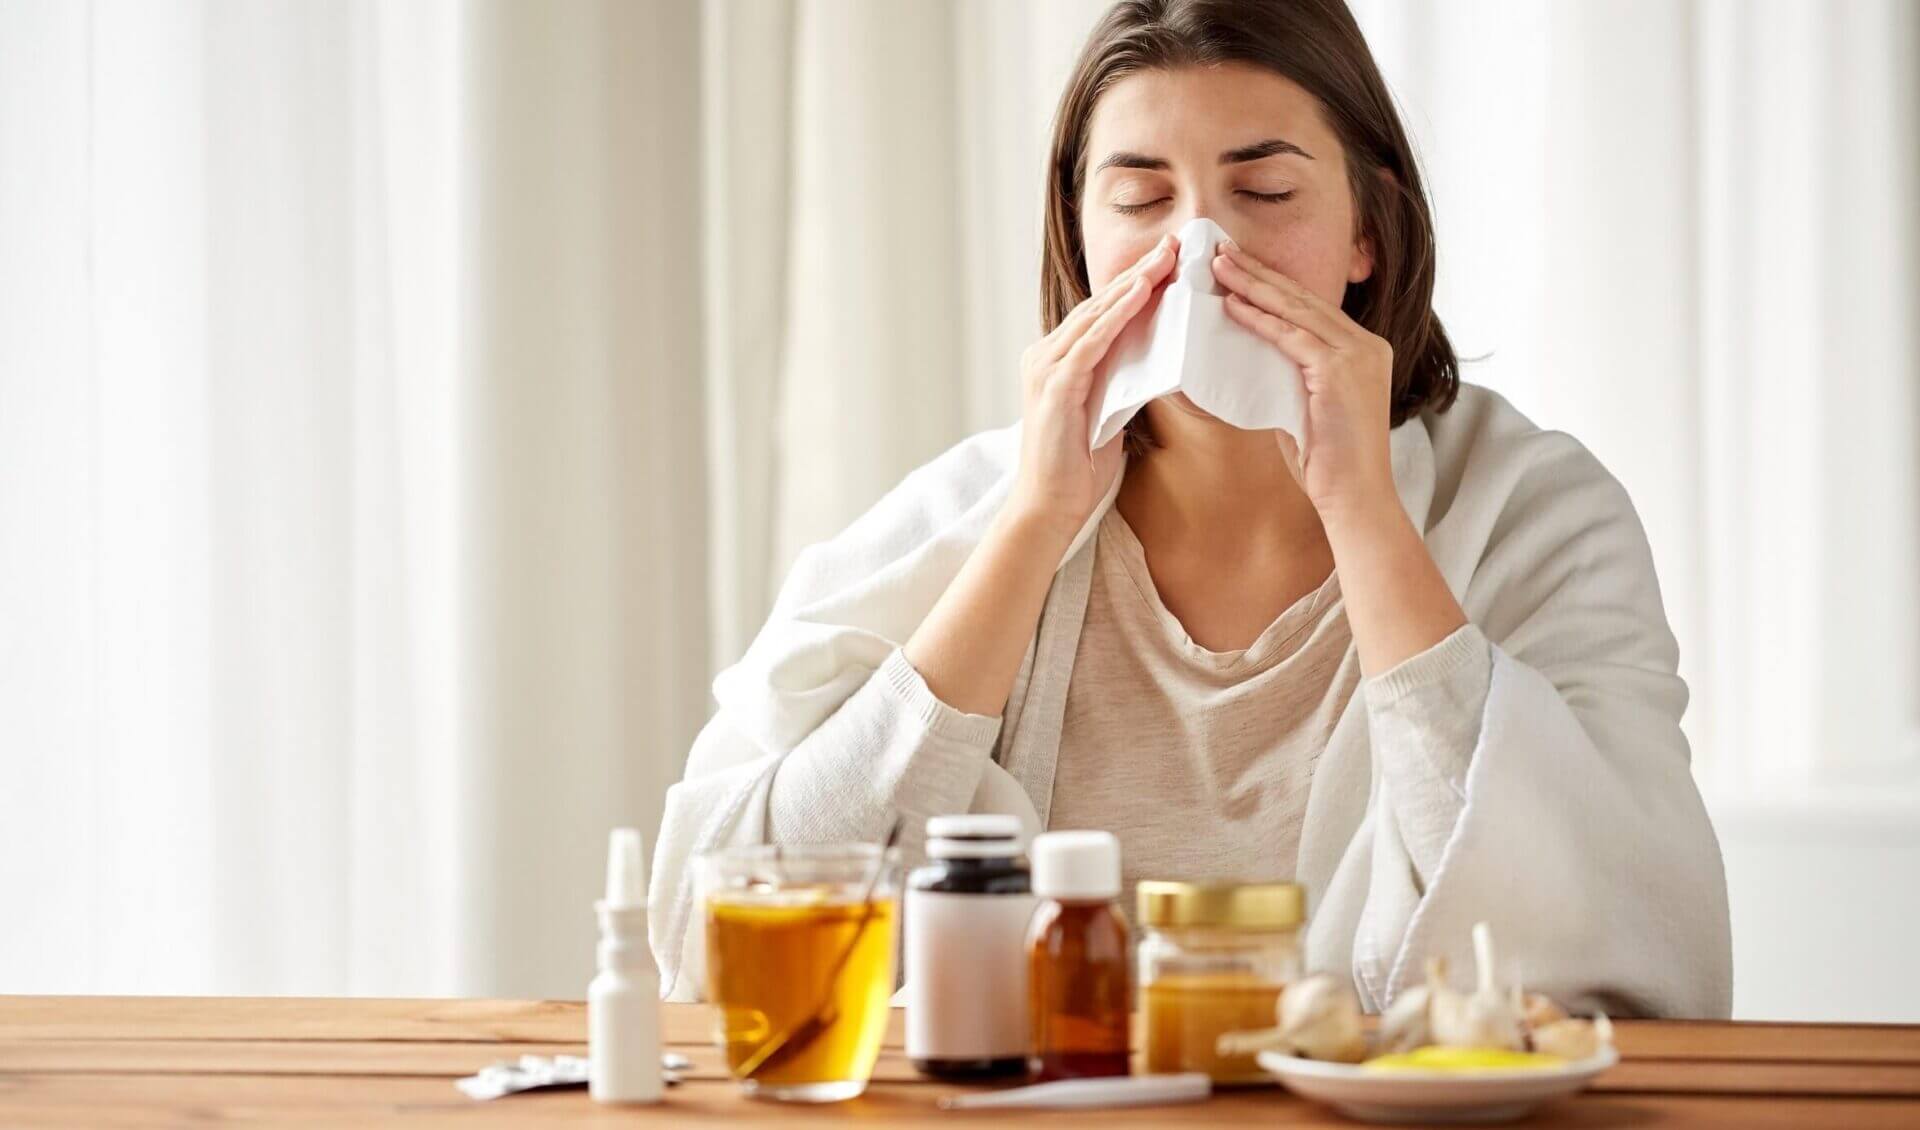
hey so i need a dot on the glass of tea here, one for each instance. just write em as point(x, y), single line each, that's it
point(800, 945)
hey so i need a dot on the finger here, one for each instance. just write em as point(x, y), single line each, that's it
point(1289, 450)
point(1260, 269)
point(1154, 266)
point(1077, 367)
point(1157, 261)
point(1268, 290)
point(1302, 346)
point(1279, 295)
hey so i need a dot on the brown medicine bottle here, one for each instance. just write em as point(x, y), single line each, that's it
point(1077, 961)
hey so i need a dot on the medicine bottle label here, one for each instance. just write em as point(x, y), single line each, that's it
point(966, 970)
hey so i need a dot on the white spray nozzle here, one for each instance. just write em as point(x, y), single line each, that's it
point(626, 870)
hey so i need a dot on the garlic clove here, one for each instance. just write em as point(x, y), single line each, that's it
point(1537, 1010)
point(1319, 1018)
point(1492, 1021)
point(1573, 1038)
point(1404, 1025)
point(1488, 1018)
point(1446, 1008)
point(1408, 1021)
point(1320, 1015)
point(1249, 1042)
point(1351, 1048)
point(1483, 957)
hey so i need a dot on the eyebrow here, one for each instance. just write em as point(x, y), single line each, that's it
point(1272, 147)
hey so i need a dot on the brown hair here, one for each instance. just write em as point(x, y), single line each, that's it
point(1316, 44)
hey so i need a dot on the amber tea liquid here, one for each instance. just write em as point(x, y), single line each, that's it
point(769, 961)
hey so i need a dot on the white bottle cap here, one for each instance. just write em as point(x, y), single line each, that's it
point(973, 826)
point(1076, 865)
point(626, 871)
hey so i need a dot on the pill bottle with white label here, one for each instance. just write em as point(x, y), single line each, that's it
point(965, 940)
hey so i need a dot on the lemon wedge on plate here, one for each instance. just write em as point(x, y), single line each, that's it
point(1463, 1061)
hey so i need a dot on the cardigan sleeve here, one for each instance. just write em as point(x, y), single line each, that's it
point(1423, 717)
point(891, 748)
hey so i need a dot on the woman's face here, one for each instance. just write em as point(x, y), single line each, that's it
point(1235, 143)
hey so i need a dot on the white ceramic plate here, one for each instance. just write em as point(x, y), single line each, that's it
point(1423, 1096)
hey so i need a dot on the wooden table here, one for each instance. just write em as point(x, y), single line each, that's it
point(160, 1061)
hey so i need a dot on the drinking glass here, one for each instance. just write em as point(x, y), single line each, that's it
point(800, 950)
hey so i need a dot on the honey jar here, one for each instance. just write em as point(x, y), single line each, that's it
point(1214, 958)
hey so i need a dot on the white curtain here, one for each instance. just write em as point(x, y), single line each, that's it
point(874, 232)
point(405, 408)
point(351, 486)
point(1686, 233)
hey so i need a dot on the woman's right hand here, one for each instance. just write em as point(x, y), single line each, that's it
point(1059, 481)
point(971, 644)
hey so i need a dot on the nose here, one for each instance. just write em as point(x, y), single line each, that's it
point(1189, 202)
point(1184, 216)
point(1192, 205)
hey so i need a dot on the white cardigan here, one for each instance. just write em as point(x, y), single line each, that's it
point(1572, 825)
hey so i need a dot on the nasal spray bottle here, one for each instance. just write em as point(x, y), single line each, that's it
point(623, 1002)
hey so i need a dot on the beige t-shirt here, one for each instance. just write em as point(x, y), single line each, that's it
point(1198, 760)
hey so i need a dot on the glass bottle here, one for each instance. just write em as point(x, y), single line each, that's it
point(1077, 968)
point(967, 913)
point(1214, 958)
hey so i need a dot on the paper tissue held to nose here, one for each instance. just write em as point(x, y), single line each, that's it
point(1189, 343)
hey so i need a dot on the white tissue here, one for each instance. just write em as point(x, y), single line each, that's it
point(1189, 343)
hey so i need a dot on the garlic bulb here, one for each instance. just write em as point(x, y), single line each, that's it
point(1406, 1024)
point(1487, 1018)
point(1573, 1038)
point(1319, 1019)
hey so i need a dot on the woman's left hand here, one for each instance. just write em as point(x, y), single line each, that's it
point(1397, 602)
point(1345, 462)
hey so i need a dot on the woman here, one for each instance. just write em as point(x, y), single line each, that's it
point(1417, 660)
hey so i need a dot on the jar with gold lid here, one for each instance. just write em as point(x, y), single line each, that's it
point(1214, 958)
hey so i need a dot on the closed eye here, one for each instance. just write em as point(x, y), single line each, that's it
point(1262, 197)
